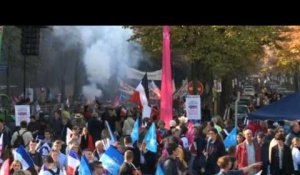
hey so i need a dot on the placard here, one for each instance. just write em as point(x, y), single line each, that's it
point(193, 107)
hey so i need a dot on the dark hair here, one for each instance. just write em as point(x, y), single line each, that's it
point(261, 135)
point(214, 130)
point(1, 121)
point(32, 117)
point(184, 130)
point(279, 136)
point(127, 140)
point(94, 165)
point(48, 159)
point(171, 147)
point(23, 124)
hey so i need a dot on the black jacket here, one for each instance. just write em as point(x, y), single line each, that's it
point(287, 162)
point(215, 150)
point(149, 166)
point(95, 128)
point(126, 169)
point(137, 155)
point(170, 166)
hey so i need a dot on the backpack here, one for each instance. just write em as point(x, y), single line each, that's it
point(20, 140)
point(54, 173)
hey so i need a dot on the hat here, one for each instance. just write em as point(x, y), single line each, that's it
point(173, 123)
point(183, 119)
point(77, 116)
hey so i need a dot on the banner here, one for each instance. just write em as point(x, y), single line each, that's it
point(193, 107)
point(22, 113)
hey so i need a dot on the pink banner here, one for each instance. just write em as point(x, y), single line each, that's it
point(166, 80)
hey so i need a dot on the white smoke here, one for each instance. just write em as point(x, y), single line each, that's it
point(106, 53)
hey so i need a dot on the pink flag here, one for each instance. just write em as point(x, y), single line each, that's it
point(166, 105)
point(5, 168)
point(190, 135)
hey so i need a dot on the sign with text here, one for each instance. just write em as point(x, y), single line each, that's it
point(22, 113)
point(193, 107)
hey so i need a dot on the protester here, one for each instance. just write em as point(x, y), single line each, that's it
point(86, 140)
point(225, 164)
point(128, 167)
point(248, 152)
point(21, 136)
point(215, 148)
point(281, 157)
point(52, 168)
point(99, 150)
point(294, 132)
point(296, 155)
point(15, 166)
point(137, 154)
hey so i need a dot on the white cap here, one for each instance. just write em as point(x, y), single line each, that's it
point(173, 123)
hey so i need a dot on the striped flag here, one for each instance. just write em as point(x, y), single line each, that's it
point(73, 162)
point(84, 168)
point(68, 136)
point(112, 136)
point(21, 155)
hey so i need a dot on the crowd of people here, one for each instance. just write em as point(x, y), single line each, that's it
point(187, 147)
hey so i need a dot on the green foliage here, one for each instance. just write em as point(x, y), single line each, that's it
point(224, 49)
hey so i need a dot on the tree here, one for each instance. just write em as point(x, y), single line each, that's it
point(215, 52)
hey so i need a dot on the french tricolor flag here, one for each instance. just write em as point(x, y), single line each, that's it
point(73, 162)
point(141, 93)
point(21, 155)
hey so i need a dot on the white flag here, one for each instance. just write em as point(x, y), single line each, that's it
point(68, 136)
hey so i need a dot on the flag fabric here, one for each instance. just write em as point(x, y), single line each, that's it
point(21, 155)
point(116, 101)
point(112, 136)
point(112, 160)
point(159, 170)
point(135, 131)
point(1, 144)
point(166, 103)
point(190, 135)
point(69, 135)
point(155, 89)
point(231, 138)
point(150, 139)
point(44, 150)
point(73, 162)
point(5, 168)
point(141, 93)
point(84, 168)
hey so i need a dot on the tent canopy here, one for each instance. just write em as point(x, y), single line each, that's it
point(288, 108)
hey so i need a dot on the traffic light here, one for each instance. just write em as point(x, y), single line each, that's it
point(30, 40)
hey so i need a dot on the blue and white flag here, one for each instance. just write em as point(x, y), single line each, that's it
point(44, 150)
point(112, 160)
point(135, 131)
point(150, 139)
point(84, 168)
point(231, 138)
point(21, 155)
point(112, 136)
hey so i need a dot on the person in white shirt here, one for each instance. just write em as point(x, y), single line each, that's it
point(296, 155)
point(52, 168)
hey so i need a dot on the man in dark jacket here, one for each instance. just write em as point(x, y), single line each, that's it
point(127, 168)
point(264, 145)
point(170, 165)
point(295, 128)
point(281, 157)
point(135, 150)
point(95, 127)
